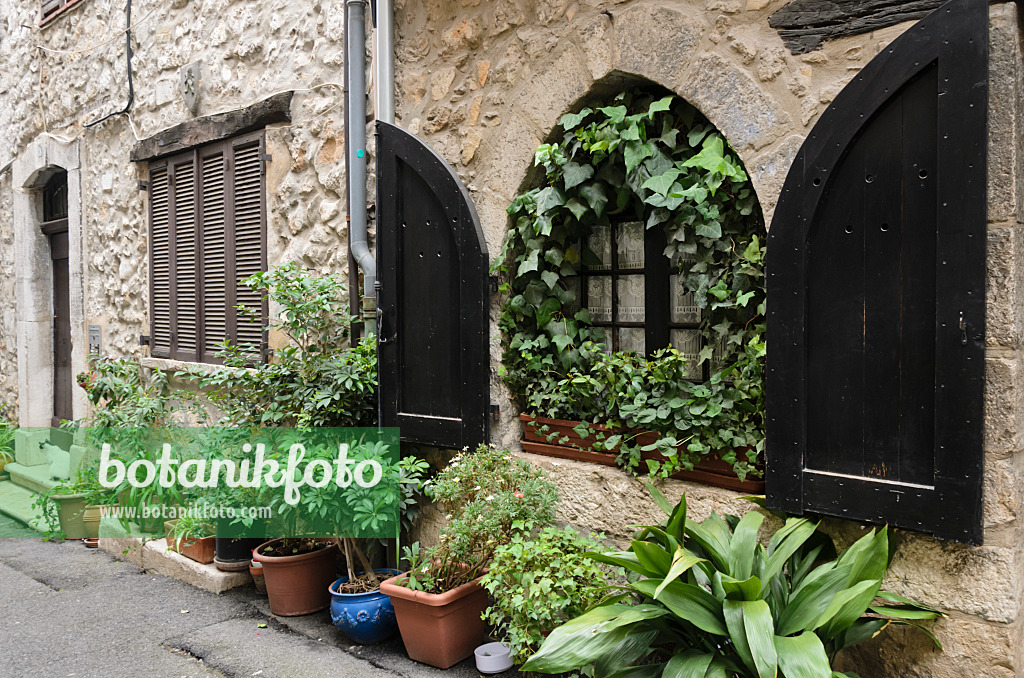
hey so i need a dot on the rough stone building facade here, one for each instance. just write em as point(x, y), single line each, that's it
point(484, 82)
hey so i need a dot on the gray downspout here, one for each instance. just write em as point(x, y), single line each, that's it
point(385, 61)
point(355, 123)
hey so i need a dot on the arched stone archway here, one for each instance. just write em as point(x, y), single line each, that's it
point(34, 284)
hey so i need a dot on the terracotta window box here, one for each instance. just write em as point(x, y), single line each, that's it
point(566, 443)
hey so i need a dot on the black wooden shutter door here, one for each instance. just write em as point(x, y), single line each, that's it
point(160, 262)
point(213, 271)
point(249, 228)
point(876, 292)
point(185, 293)
point(432, 267)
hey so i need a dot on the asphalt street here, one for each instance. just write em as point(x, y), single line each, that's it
point(71, 611)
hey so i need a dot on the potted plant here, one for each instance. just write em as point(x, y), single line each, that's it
point(539, 582)
point(64, 504)
point(358, 607)
point(298, 572)
point(709, 599)
point(490, 497)
point(192, 537)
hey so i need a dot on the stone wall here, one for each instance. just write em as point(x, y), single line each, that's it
point(485, 82)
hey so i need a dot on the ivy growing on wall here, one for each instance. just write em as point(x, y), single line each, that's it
point(657, 160)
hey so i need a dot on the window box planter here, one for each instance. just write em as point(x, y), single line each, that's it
point(200, 550)
point(709, 471)
point(439, 629)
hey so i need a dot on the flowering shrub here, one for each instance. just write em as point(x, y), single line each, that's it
point(490, 498)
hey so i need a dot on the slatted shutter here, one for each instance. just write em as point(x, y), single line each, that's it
point(876, 292)
point(184, 260)
point(207, 235)
point(213, 281)
point(51, 6)
point(249, 238)
point(432, 257)
point(160, 261)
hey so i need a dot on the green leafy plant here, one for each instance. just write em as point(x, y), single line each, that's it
point(85, 481)
point(707, 599)
point(654, 159)
point(188, 529)
point(490, 497)
point(538, 583)
point(316, 379)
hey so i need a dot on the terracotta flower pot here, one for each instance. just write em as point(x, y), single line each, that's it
point(297, 585)
point(70, 510)
point(439, 629)
point(91, 518)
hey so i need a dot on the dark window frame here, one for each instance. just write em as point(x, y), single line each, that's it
point(657, 271)
point(194, 157)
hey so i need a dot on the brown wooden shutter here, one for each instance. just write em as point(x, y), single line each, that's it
point(185, 316)
point(249, 238)
point(160, 262)
point(213, 268)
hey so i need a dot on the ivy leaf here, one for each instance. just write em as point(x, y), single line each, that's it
point(550, 277)
point(554, 256)
point(753, 251)
point(658, 106)
point(562, 341)
point(572, 120)
point(593, 193)
point(535, 293)
point(575, 174)
point(549, 198)
point(577, 208)
point(635, 153)
point(710, 229)
point(583, 316)
point(711, 156)
point(615, 113)
point(662, 184)
point(529, 263)
point(572, 256)
point(547, 310)
point(696, 134)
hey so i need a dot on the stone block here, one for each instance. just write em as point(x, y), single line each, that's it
point(744, 111)
point(594, 39)
point(551, 92)
point(26, 446)
point(969, 648)
point(1003, 114)
point(154, 557)
point(656, 42)
point(1004, 403)
point(1005, 288)
point(509, 153)
point(768, 172)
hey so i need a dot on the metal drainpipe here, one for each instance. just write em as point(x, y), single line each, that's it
point(385, 58)
point(355, 123)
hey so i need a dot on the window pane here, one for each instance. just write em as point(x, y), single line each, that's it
point(629, 240)
point(683, 309)
point(630, 297)
point(687, 342)
point(632, 339)
point(600, 244)
point(599, 298)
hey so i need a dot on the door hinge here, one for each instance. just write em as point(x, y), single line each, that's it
point(143, 185)
point(144, 340)
point(495, 412)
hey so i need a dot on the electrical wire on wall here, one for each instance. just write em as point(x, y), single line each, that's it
point(128, 54)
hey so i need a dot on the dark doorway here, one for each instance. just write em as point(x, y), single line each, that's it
point(55, 227)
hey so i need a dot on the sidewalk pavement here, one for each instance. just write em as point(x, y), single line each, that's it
point(72, 611)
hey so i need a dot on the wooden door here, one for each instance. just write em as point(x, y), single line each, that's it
point(62, 376)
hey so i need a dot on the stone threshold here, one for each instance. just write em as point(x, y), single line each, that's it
point(153, 556)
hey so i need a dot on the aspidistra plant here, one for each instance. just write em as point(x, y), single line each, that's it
point(708, 600)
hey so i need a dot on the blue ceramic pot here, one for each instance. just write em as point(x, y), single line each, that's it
point(366, 618)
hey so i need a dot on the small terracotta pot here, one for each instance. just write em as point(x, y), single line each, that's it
point(297, 585)
point(256, 571)
point(439, 629)
point(91, 518)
